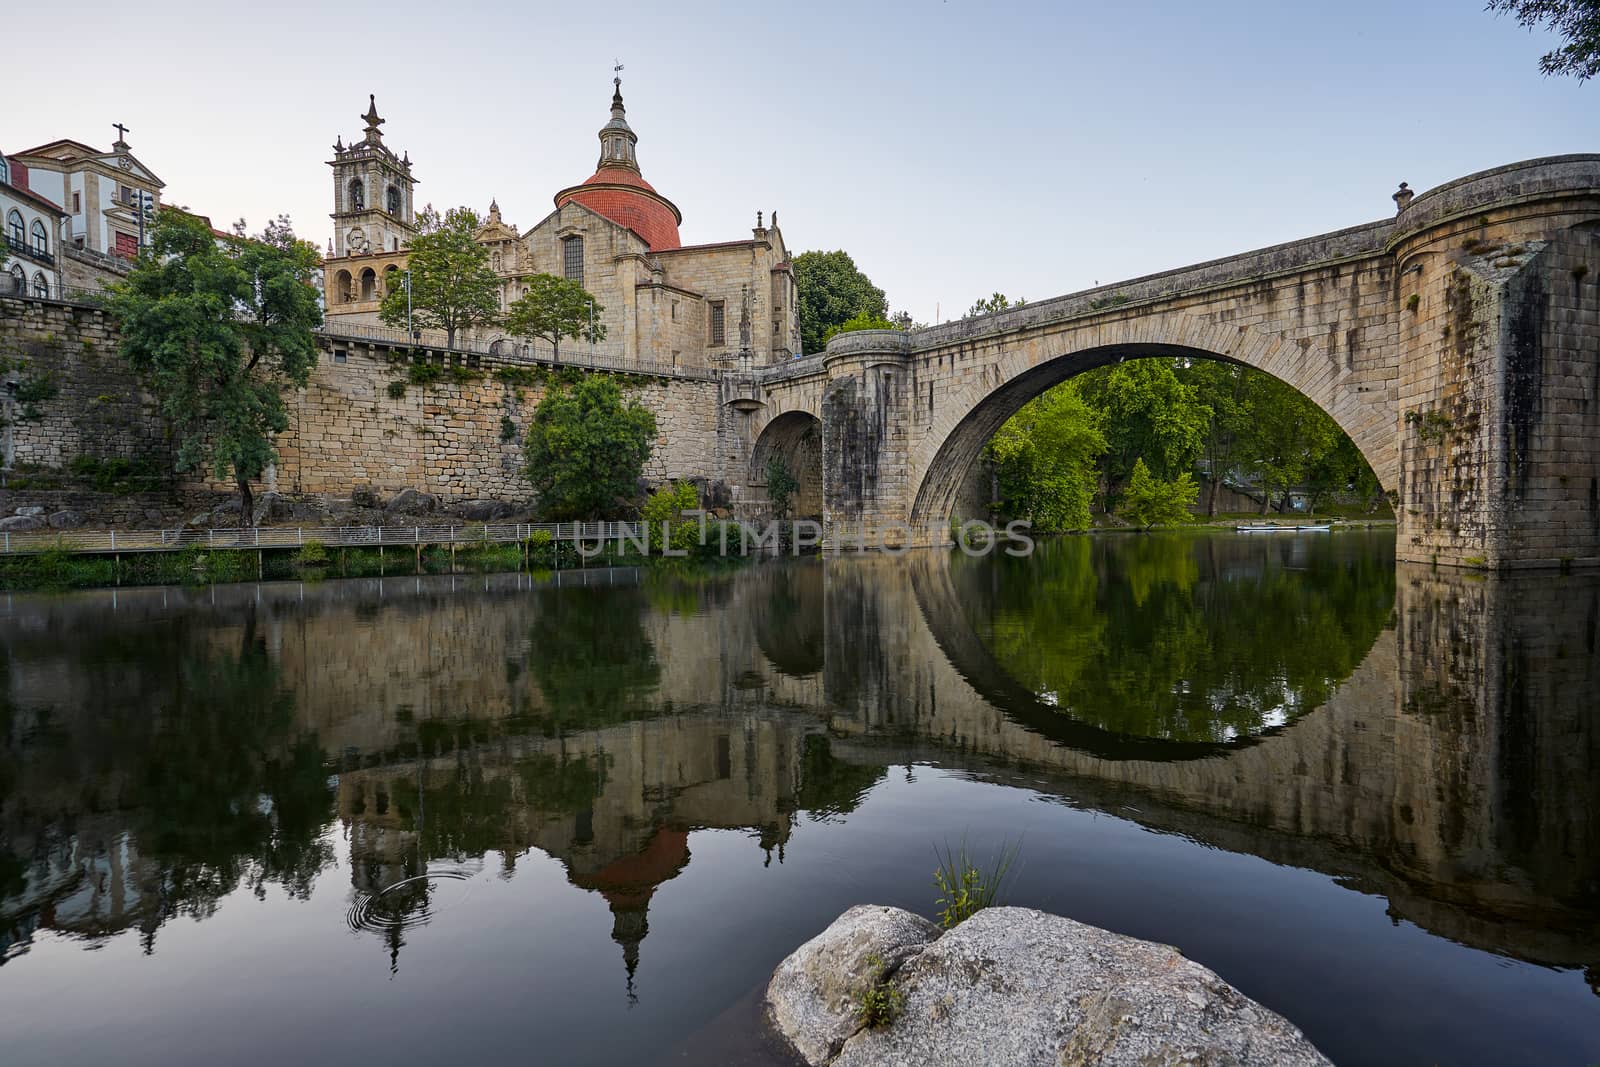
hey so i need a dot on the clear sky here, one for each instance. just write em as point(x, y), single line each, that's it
point(953, 148)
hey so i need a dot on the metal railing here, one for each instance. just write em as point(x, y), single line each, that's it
point(109, 542)
point(507, 350)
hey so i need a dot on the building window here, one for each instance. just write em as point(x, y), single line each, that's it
point(572, 258)
point(358, 195)
point(674, 311)
point(394, 201)
point(5, 171)
point(41, 239)
point(391, 278)
point(19, 279)
point(41, 288)
point(339, 355)
point(77, 203)
point(14, 231)
point(341, 287)
point(369, 284)
point(719, 330)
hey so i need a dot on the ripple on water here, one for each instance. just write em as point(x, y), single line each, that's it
point(410, 902)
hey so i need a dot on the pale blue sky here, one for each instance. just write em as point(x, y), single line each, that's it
point(953, 148)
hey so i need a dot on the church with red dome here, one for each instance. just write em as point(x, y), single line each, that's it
point(728, 303)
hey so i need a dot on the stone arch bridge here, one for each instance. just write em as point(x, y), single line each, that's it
point(1457, 343)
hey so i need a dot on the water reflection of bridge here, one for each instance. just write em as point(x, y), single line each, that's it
point(1452, 771)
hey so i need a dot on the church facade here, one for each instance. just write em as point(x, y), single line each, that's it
point(663, 303)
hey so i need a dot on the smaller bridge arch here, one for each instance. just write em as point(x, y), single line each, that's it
point(796, 438)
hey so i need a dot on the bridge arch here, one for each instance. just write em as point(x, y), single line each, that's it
point(1018, 373)
point(796, 437)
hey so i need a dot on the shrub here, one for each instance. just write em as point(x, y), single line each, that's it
point(312, 554)
point(880, 1002)
point(964, 888)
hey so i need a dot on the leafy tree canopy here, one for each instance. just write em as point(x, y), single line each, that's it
point(554, 308)
point(452, 287)
point(1149, 414)
point(1045, 460)
point(861, 321)
point(1577, 22)
point(219, 329)
point(586, 449)
point(1150, 501)
point(781, 485)
point(832, 292)
point(988, 305)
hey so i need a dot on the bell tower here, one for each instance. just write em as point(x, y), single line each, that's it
point(373, 211)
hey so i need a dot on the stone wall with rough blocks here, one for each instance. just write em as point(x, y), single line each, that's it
point(458, 440)
point(91, 405)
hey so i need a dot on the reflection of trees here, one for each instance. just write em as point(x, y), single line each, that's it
point(183, 746)
point(590, 654)
point(1178, 637)
point(829, 785)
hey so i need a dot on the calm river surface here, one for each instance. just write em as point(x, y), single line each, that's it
point(579, 819)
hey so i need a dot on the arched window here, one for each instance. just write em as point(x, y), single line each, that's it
point(394, 200)
point(358, 195)
point(341, 287)
point(19, 279)
point(369, 284)
point(391, 278)
point(41, 238)
point(5, 171)
point(14, 231)
point(41, 287)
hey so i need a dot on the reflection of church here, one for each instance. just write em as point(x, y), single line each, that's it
point(664, 302)
point(642, 787)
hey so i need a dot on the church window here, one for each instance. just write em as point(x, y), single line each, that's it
point(394, 200)
point(358, 195)
point(77, 203)
point(719, 324)
point(19, 279)
point(14, 228)
point(572, 258)
point(41, 239)
point(41, 288)
point(369, 284)
point(341, 287)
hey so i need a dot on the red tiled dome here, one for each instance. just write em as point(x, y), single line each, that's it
point(621, 195)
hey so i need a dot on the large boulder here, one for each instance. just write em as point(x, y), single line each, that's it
point(1017, 986)
point(21, 523)
point(483, 510)
point(812, 994)
point(412, 502)
point(66, 519)
point(32, 509)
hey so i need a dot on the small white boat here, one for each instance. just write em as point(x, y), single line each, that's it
point(1272, 527)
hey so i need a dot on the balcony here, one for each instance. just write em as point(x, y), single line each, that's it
point(27, 251)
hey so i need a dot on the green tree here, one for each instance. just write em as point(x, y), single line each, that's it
point(781, 485)
point(218, 329)
point(860, 321)
point(832, 291)
point(1224, 389)
point(1576, 21)
point(554, 308)
point(1045, 460)
point(586, 449)
point(1150, 501)
point(1288, 436)
point(1149, 414)
point(452, 287)
point(669, 505)
point(988, 305)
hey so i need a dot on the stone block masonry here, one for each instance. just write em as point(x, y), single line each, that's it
point(68, 394)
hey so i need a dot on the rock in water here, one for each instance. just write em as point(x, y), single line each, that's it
point(812, 995)
point(1016, 986)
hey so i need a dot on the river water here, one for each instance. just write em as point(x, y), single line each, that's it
point(578, 818)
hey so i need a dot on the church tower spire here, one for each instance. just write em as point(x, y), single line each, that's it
point(617, 138)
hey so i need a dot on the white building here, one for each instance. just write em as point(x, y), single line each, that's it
point(100, 192)
point(31, 227)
